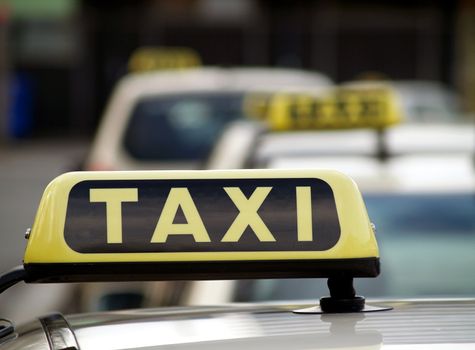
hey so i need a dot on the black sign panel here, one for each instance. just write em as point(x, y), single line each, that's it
point(366, 109)
point(234, 215)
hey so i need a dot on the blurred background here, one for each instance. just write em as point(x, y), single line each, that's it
point(61, 62)
point(62, 58)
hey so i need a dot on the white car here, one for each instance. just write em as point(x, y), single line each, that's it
point(429, 101)
point(429, 324)
point(422, 101)
point(79, 235)
point(171, 119)
point(420, 196)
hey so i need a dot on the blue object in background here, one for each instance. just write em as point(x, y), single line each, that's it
point(20, 116)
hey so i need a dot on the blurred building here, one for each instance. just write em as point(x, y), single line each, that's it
point(63, 57)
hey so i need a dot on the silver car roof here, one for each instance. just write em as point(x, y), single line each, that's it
point(429, 324)
point(276, 327)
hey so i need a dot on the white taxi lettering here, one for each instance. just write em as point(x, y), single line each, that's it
point(181, 198)
point(113, 197)
point(248, 215)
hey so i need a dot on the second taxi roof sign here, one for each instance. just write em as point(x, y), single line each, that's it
point(344, 107)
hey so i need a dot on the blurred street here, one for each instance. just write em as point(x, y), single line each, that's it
point(25, 169)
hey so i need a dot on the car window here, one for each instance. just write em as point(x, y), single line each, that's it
point(180, 127)
point(426, 243)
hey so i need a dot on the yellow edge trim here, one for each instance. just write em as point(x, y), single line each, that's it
point(214, 256)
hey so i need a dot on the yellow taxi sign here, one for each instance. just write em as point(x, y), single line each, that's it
point(341, 108)
point(200, 224)
point(159, 58)
point(256, 105)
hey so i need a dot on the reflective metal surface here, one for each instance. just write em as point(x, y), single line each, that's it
point(59, 334)
point(411, 325)
point(28, 336)
point(429, 324)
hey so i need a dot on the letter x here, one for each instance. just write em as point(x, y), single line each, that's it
point(248, 215)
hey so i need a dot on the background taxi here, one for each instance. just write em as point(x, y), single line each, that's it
point(170, 119)
point(418, 183)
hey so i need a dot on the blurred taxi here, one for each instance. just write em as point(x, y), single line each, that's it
point(418, 182)
point(364, 119)
point(170, 118)
point(422, 101)
point(166, 225)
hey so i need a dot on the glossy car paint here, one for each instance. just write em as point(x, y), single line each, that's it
point(424, 324)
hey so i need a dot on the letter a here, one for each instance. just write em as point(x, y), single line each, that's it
point(180, 197)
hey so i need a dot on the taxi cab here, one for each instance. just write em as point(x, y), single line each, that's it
point(158, 105)
point(418, 181)
point(348, 120)
point(167, 225)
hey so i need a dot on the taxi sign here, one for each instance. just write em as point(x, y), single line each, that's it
point(256, 105)
point(341, 108)
point(158, 58)
point(93, 226)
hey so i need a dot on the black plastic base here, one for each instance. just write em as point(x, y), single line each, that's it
point(334, 305)
point(342, 299)
point(339, 269)
point(317, 310)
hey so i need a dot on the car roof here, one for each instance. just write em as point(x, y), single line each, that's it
point(441, 138)
point(433, 324)
point(446, 151)
point(107, 146)
point(216, 78)
point(403, 174)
